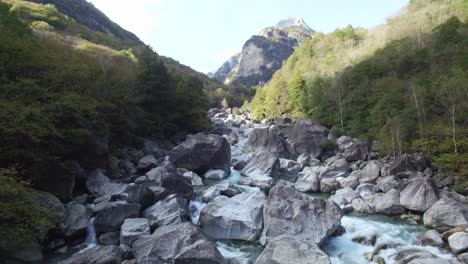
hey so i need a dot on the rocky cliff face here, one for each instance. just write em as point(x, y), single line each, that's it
point(263, 54)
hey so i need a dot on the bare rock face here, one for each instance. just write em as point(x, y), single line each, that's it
point(262, 55)
point(97, 255)
point(183, 243)
point(290, 251)
point(419, 195)
point(201, 152)
point(111, 216)
point(289, 213)
point(172, 210)
point(262, 170)
point(389, 203)
point(264, 140)
point(239, 217)
point(308, 181)
point(446, 214)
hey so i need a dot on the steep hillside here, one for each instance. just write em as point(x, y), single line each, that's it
point(263, 55)
point(402, 83)
point(86, 14)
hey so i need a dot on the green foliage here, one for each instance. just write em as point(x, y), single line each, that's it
point(21, 218)
point(402, 83)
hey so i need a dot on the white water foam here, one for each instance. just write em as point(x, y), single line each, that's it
point(342, 250)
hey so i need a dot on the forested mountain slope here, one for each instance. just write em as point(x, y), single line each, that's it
point(403, 83)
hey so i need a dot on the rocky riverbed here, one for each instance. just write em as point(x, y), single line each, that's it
point(277, 192)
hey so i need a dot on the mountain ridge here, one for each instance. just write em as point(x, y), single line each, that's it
point(264, 53)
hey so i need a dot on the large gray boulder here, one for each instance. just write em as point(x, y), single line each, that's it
point(111, 216)
point(432, 238)
point(96, 255)
point(308, 181)
point(419, 195)
point(361, 206)
point(96, 180)
point(305, 137)
point(328, 185)
point(387, 183)
point(417, 255)
point(263, 170)
point(132, 229)
point(388, 203)
point(182, 244)
point(76, 221)
point(139, 193)
point(351, 181)
point(289, 213)
point(335, 167)
point(371, 172)
point(172, 210)
point(166, 176)
point(446, 214)
point(264, 140)
point(292, 252)
point(237, 218)
point(458, 242)
point(201, 152)
point(344, 196)
point(227, 189)
point(147, 162)
point(289, 170)
point(112, 189)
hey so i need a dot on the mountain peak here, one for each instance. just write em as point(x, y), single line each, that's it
point(293, 22)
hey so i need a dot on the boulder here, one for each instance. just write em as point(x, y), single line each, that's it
point(237, 218)
point(239, 165)
point(357, 151)
point(216, 175)
point(371, 171)
point(112, 215)
point(432, 238)
point(264, 140)
point(366, 190)
point(132, 229)
point(305, 137)
point(76, 221)
point(446, 214)
point(96, 255)
point(344, 197)
point(172, 210)
point(127, 167)
point(306, 160)
point(463, 258)
point(335, 167)
point(201, 152)
point(147, 162)
point(166, 176)
point(96, 180)
point(359, 205)
point(419, 195)
point(112, 189)
point(289, 170)
point(292, 252)
point(351, 181)
point(458, 242)
point(137, 193)
point(387, 183)
point(194, 178)
point(109, 239)
point(401, 164)
point(289, 213)
point(308, 181)
point(328, 185)
point(227, 189)
point(50, 202)
point(388, 203)
point(263, 170)
point(183, 243)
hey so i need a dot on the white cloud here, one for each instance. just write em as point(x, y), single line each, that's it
point(137, 16)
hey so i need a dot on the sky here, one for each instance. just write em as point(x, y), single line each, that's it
point(203, 34)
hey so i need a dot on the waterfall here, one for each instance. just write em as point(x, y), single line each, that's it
point(195, 207)
point(90, 240)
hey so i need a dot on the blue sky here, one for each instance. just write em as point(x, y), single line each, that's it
point(204, 33)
